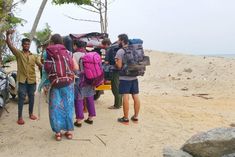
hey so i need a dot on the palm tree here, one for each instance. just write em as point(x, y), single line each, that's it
point(40, 37)
point(36, 21)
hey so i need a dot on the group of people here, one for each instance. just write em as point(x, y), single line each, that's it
point(63, 101)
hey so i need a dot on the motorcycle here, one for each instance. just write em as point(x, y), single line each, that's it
point(7, 85)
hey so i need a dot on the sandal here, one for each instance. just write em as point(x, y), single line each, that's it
point(58, 136)
point(134, 119)
point(123, 120)
point(68, 135)
point(88, 121)
point(77, 124)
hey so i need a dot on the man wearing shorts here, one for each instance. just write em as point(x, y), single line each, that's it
point(128, 84)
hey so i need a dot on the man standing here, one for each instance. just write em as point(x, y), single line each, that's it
point(26, 75)
point(128, 84)
point(110, 59)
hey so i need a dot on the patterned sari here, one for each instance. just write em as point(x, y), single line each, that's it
point(61, 108)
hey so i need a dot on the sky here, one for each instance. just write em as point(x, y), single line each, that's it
point(184, 26)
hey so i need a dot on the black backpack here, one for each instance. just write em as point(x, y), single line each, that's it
point(134, 60)
point(111, 53)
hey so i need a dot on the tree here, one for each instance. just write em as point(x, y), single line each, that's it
point(40, 37)
point(36, 21)
point(7, 21)
point(96, 6)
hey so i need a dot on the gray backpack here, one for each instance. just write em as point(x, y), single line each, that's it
point(134, 60)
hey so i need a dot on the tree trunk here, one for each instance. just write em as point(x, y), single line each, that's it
point(106, 16)
point(36, 21)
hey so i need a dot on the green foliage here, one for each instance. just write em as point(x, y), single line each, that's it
point(8, 59)
point(7, 21)
point(77, 2)
point(41, 36)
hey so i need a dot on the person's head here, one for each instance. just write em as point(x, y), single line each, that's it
point(77, 44)
point(106, 43)
point(25, 44)
point(56, 39)
point(123, 40)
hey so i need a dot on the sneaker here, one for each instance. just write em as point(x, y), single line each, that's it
point(134, 119)
point(20, 121)
point(123, 120)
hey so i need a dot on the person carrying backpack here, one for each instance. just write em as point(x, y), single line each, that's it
point(83, 89)
point(110, 54)
point(58, 64)
point(128, 84)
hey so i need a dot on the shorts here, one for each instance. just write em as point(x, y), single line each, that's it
point(129, 87)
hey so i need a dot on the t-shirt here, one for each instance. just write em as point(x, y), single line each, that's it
point(120, 55)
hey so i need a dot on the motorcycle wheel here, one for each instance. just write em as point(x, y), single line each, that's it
point(2, 103)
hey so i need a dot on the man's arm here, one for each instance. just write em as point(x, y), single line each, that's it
point(14, 50)
point(38, 63)
point(118, 59)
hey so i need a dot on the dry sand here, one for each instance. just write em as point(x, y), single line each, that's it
point(180, 95)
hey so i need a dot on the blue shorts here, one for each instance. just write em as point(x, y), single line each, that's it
point(129, 87)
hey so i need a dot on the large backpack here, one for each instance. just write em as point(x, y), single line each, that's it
point(111, 53)
point(92, 68)
point(59, 66)
point(134, 60)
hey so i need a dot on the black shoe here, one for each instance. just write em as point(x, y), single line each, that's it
point(123, 120)
point(77, 124)
point(88, 121)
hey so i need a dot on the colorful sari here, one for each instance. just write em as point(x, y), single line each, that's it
point(61, 108)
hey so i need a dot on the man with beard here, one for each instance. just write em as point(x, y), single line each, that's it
point(128, 84)
point(26, 75)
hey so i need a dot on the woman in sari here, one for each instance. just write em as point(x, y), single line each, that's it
point(61, 100)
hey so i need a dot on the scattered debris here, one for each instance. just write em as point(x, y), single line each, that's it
point(204, 96)
point(179, 74)
point(173, 78)
point(101, 140)
point(184, 89)
point(165, 93)
point(189, 70)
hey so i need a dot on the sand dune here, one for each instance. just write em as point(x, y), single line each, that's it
point(180, 95)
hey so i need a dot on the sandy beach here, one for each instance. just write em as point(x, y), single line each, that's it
point(181, 95)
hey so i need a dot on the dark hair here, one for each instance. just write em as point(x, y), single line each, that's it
point(79, 43)
point(56, 39)
point(106, 41)
point(24, 40)
point(124, 38)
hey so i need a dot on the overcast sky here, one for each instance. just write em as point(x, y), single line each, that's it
point(185, 26)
